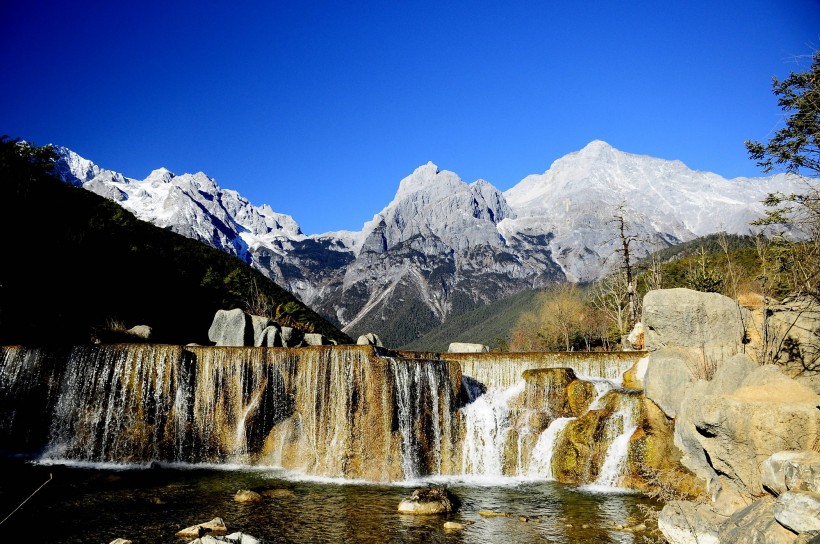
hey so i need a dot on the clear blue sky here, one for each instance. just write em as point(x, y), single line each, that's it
point(320, 108)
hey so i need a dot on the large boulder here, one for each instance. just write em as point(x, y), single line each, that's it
point(464, 347)
point(707, 322)
point(231, 328)
point(792, 470)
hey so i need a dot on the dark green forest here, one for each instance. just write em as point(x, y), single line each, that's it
point(75, 263)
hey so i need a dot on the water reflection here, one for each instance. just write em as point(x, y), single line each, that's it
point(92, 505)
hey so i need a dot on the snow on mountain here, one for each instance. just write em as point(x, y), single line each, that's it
point(443, 245)
point(190, 204)
point(663, 201)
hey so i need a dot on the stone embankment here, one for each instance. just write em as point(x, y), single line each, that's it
point(741, 385)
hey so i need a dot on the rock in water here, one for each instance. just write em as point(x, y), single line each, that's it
point(428, 500)
point(215, 527)
point(120, 541)
point(247, 496)
point(453, 526)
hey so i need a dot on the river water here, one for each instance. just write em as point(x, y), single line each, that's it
point(97, 504)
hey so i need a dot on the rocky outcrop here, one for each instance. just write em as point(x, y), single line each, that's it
point(742, 428)
point(706, 322)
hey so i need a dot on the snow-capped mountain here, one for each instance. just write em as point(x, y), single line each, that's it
point(442, 245)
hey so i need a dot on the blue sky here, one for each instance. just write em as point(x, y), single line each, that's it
point(320, 108)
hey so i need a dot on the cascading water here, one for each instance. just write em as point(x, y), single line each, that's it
point(345, 411)
point(487, 422)
point(622, 425)
point(541, 461)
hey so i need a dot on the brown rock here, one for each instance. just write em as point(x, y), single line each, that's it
point(247, 496)
point(215, 527)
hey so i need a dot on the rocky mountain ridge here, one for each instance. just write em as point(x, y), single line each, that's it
point(443, 246)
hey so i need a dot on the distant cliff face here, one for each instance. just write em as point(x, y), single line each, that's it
point(442, 245)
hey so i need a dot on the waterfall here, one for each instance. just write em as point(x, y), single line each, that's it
point(623, 425)
point(339, 411)
point(488, 424)
point(541, 462)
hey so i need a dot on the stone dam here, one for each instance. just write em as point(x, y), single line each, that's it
point(351, 412)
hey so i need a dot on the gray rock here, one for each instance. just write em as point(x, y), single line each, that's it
point(667, 373)
point(258, 325)
point(231, 328)
point(140, 331)
point(708, 322)
point(755, 524)
point(683, 522)
point(291, 338)
point(465, 347)
point(770, 412)
point(370, 339)
point(271, 337)
point(798, 511)
point(315, 339)
point(792, 470)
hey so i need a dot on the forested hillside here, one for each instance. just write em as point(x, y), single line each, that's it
point(76, 264)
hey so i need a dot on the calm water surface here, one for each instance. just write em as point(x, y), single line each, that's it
point(95, 504)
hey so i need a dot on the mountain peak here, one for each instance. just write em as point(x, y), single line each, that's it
point(160, 175)
point(425, 177)
point(596, 148)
